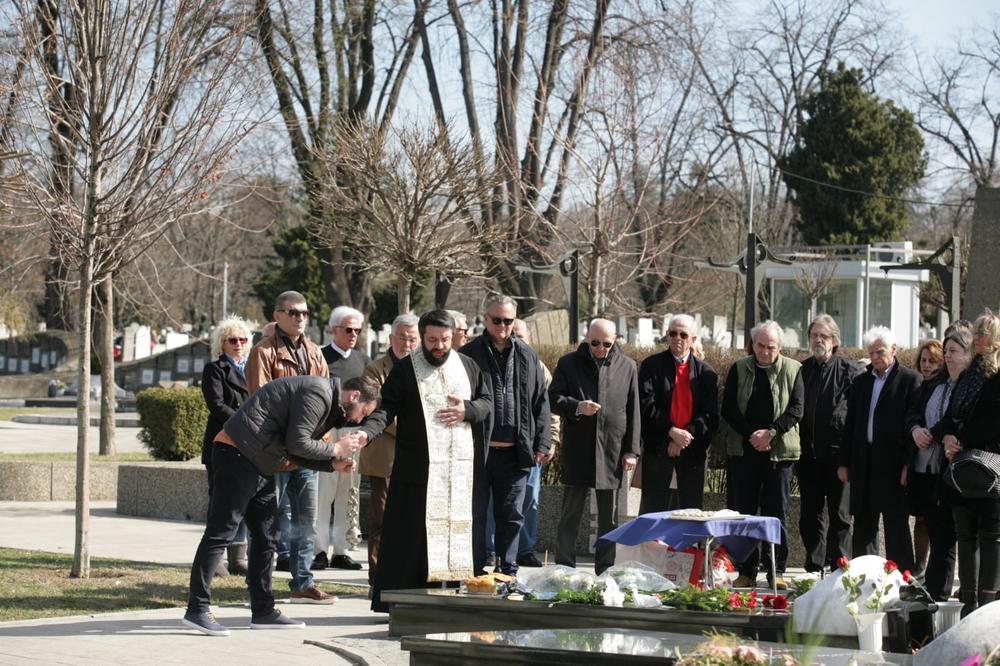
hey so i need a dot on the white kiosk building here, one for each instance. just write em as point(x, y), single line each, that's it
point(858, 294)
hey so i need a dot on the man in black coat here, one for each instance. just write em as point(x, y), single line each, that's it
point(519, 434)
point(595, 391)
point(827, 377)
point(403, 558)
point(873, 457)
point(283, 424)
point(679, 402)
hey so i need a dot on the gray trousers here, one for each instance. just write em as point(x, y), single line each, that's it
point(574, 500)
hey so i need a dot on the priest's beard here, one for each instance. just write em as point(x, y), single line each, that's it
point(435, 360)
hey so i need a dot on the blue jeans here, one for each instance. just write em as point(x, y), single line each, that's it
point(300, 487)
point(529, 532)
point(504, 481)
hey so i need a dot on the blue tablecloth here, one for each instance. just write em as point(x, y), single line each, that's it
point(738, 536)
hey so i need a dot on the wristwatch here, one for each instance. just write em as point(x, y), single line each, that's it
point(772, 432)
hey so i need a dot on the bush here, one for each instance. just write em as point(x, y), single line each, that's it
point(173, 422)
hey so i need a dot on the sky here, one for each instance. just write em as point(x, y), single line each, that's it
point(937, 23)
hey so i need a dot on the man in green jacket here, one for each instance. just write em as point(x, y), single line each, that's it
point(761, 407)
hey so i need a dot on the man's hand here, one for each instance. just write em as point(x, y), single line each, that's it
point(547, 458)
point(629, 462)
point(348, 444)
point(343, 465)
point(681, 436)
point(453, 414)
point(902, 477)
point(587, 408)
point(951, 446)
point(539, 457)
point(922, 437)
point(843, 473)
point(674, 449)
point(761, 440)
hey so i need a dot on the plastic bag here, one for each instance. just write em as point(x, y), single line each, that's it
point(546, 582)
point(643, 576)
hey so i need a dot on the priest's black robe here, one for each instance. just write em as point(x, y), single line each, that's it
point(402, 556)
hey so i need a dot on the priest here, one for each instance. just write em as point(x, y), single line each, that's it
point(442, 404)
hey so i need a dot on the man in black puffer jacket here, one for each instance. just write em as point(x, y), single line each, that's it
point(282, 425)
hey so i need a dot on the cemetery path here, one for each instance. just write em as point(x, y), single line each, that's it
point(37, 438)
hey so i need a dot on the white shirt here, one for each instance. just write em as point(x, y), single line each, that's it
point(877, 387)
point(343, 352)
point(681, 361)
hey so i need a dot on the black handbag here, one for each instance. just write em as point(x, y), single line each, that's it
point(975, 474)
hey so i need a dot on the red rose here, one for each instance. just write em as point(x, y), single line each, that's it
point(891, 566)
point(775, 602)
point(752, 600)
point(907, 576)
point(735, 600)
point(843, 563)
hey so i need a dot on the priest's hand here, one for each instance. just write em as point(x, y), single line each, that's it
point(343, 465)
point(347, 445)
point(453, 414)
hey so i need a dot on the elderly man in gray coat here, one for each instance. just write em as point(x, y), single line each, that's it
point(596, 392)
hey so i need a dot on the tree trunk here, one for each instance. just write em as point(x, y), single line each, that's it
point(81, 546)
point(402, 294)
point(107, 356)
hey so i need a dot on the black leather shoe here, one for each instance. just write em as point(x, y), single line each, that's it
point(320, 562)
point(528, 560)
point(344, 562)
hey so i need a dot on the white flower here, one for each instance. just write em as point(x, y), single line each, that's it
point(852, 608)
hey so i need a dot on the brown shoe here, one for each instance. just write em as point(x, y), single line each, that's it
point(312, 595)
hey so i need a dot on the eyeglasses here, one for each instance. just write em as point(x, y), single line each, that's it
point(356, 331)
point(500, 321)
point(683, 335)
point(599, 343)
point(296, 313)
point(461, 330)
point(236, 341)
point(980, 334)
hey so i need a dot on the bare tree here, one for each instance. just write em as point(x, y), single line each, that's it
point(813, 276)
point(153, 120)
point(406, 201)
point(959, 103)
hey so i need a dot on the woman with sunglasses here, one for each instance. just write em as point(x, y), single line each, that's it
point(223, 383)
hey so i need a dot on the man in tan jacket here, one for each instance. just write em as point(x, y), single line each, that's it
point(377, 457)
point(288, 353)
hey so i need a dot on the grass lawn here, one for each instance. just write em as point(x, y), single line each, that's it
point(134, 456)
point(35, 584)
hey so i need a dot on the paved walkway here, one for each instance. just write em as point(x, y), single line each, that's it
point(38, 438)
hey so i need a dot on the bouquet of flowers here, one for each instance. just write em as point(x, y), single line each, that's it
point(728, 650)
point(855, 586)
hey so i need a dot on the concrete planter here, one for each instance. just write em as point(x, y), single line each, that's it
point(22, 481)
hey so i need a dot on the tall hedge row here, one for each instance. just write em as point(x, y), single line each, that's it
point(173, 422)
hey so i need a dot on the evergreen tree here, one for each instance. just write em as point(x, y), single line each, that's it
point(854, 141)
point(296, 268)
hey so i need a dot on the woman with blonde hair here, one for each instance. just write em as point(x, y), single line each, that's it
point(971, 423)
point(224, 386)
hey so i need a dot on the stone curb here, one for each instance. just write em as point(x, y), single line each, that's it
point(46, 419)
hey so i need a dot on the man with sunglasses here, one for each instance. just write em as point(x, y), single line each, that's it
point(340, 490)
point(679, 399)
point(519, 436)
point(596, 393)
point(287, 352)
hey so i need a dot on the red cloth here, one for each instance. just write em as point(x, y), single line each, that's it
point(682, 404)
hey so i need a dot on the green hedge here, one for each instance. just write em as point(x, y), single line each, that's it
point(173, 422)
point(720, 359)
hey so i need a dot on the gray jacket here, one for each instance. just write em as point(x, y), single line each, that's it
point(286, 420)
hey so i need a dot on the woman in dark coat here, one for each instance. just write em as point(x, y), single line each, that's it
point(924, 484)
point(972, 423)
point(225, 389)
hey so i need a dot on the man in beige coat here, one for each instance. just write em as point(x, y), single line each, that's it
point(377, 457)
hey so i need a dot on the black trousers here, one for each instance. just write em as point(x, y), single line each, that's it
point(573, 503)
point(238, 492)
point(827, 537)
point(505, 481)
point(657, 471)
point(402, 554)
point(898, 543)
point(977, 524)
point(758, 482)
point(939, 577)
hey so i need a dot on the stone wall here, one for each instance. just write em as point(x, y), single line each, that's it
point(22, 481)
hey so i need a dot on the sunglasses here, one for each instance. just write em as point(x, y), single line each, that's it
point(682, 334)
point(598, 343)
point(296, 313)
point(356, 331)
point(236, 341)
point(500, 321)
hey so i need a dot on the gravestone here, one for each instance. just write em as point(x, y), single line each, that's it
point(982, 284)
point(644, 333)
point(136, 342)
point(975, 633)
